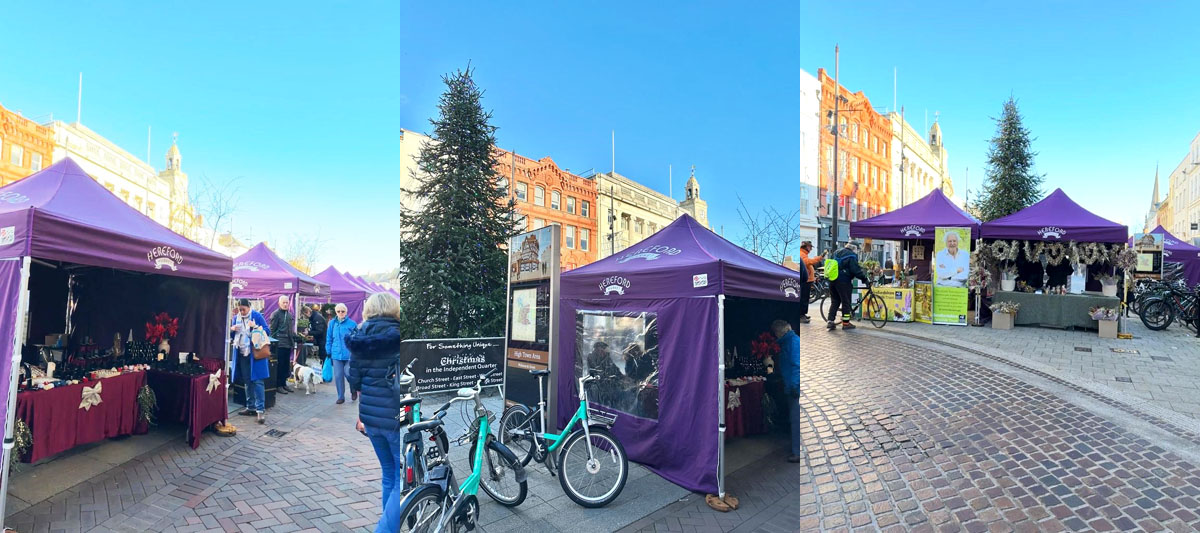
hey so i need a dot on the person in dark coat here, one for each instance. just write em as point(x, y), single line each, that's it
point(283, 323)
point(374, 346)
point(789, 369)
point(839, 289)
point(316, 329)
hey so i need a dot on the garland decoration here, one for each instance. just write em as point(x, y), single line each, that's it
point(983, 253)
point(147, 404)
point(1056, 252)
point(1005, 250)
point(1032, 250)
point(1092, 253)
point(22, 443)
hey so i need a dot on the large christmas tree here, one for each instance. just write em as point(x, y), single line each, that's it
point(1011, 182)
point(453, 247)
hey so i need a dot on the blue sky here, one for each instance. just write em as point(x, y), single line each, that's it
point(302, 103)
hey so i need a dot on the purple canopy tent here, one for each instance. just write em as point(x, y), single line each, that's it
point(916, 220)
point(260, 273)
point(682, 275)
point(1055, 218)
point(1177, 251)
point(60, 214)
point(341, 290)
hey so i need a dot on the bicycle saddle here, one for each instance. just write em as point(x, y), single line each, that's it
point(425, 425)
point(409, 401)
point(539, 372)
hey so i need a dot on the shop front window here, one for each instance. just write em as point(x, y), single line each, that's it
point(621, 350)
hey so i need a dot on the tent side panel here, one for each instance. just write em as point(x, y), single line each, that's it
point(679, 445)
point(10, 298)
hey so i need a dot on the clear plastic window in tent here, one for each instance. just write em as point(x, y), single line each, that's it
point(621, 349)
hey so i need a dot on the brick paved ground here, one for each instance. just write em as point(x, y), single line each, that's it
point(907, 435)
point(1164, 371)
point(900, 434)
point(321, 476)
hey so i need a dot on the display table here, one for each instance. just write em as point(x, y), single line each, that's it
point(744, 408)
point(57, 423)
point(187, 399)
point(1056, 310)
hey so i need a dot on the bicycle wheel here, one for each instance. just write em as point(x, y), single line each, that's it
point(597, 480)
point(516, 429)
point(824, 308)
point(419, 511)
point(503, 476)
point(875, 308)
point(1157, 315)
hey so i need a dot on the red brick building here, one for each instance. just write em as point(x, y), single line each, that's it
point(546, 194)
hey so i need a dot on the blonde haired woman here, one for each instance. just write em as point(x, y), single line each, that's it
point(373, 348)
point(335, 345)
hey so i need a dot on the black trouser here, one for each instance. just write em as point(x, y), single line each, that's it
point(839, 295)
point(805, 294)
point(319, 340)
point(283, 365)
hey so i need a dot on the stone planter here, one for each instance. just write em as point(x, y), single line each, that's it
point(1002, 321)
point(1008, 285)
point(1108, 328)
point(1108, 290)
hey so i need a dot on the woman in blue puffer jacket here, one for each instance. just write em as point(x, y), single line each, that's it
point(373, 348)
point(335, 345)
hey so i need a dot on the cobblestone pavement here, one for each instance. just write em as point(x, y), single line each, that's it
point(902, 434)
point(320, 475)
point(1160, 367)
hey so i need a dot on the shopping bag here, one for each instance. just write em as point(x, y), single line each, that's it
point(327, 370)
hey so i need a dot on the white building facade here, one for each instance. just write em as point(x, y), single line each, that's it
point(637, 212)
point(1185, 195)
point(810, 152)
point(162, 196)
point(919, 164)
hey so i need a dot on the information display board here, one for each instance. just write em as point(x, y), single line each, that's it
point(451, 364)
point(1149, 250)
point(532, 315)
point(951, 266)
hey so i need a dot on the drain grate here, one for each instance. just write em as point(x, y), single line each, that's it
point(276, 433)
point(1123, 350)
point(1082, 349)
point(1160, 358)
point(1124, 380)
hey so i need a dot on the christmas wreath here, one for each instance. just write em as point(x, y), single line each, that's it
point(1091, 253)
point(1005, 250)
point(1056, 252)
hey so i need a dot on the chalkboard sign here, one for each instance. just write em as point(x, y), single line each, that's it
point(450, 364)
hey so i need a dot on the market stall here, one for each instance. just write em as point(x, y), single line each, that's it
point(261, 274)
point(1059, 251)
point(664, 321)
point(342, 290)
point(94, 278)
point(915, 225)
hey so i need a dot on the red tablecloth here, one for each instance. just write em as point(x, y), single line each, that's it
point(743, 409)
point(58, 424)
point(186, 399)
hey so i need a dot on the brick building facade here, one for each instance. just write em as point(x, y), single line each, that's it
point(546, 194)
point(25, 146)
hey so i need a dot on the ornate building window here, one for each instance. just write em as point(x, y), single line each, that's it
point(539, 196)
point(585, 209)
point(570, 205)
point(569, 235)
point(584, 237)
point(555, 200)
point(522, 192)
point(37, 162)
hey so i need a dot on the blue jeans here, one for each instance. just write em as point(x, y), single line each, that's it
point(256, 396)
point(389, 447)
point(339, 377)
point(793, 401)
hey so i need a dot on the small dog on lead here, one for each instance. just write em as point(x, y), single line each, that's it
point(306, 376)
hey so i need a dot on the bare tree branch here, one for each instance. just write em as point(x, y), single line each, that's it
point(755, 227)
point(783, 232)
point(216, 203)
point(303, 251)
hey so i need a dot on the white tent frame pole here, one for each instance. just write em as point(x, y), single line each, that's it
point(228, 342)
point(14, 372)
point(721, 396)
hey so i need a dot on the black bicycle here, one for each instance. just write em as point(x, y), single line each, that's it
point(872, 306)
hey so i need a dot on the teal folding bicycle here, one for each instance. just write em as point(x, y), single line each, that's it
point(442, 503)
point(590, 462)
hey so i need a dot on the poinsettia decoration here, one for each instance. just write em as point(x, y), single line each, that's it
point(765, 346)
point(163, 327)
